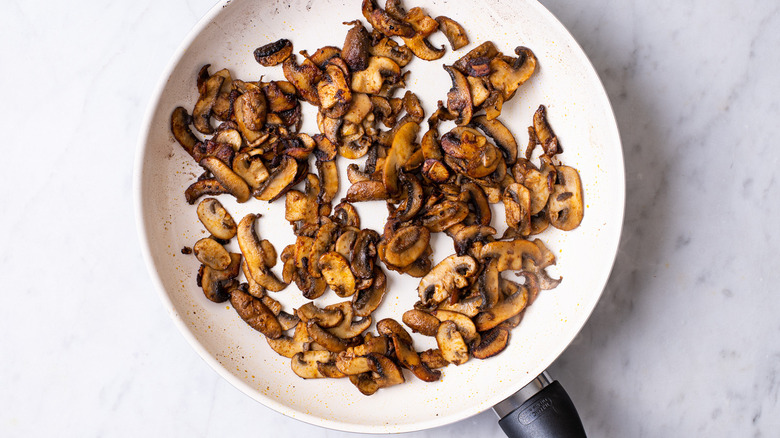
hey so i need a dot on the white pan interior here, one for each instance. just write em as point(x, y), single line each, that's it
point(578, 111)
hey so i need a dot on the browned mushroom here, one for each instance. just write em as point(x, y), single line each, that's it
point(349, 327)
point(366, 301)
point(273, 53)
point(407, 245)
point(379, 71)
point(454, 32)
point(229, 179)
point(565, 208)
point(324, 338)
point(280, 180)
point(255, 313)
point(366, 191)
point(289, 346)
point(517, 204)
point(445, 278)
point(251, 113)
point(383, 22)
point(209, 252)
point(304, 77)
point(493, 341)
point(216, 284)
point(334, 88)
point(388, 48)
point(499, 133)
point(306, 364)
point(324, 317)
point(503, 310)
point(508, 76)
point(421, 322)
point(203, 187)
point(336, 272)
point(254, 255)
point(250, 169)
point(180, 127)
point(216, 219)
point(445, 214)
point(399, 153)
point(544, 133)
point(453, 348)
point(356, 46)
point(459, 101)
point(201, 114)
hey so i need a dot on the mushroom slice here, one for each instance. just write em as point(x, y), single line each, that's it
point(502, 137)
point(216, 284)
point(454, 32)
point(450, 341)
point(201, 114)
point(384, 373)
point(508, 77)
point(333, 89)
point(539, 189)
point(203, 187)
point(273, 53)
point(306, 363)
point(322, 242)
point(345, 242)
point(511, 254)
point(468, 306)
point(409, 358)
point(346, 215)
point(229, 179)
point(473, 193)
point(365, 301)
point(366, 191)
point(336, 272)
point(505, 309)
point(251, 112)
point(544, 133)
point(289, 346)
point(355, 50)
point(465, 325)
point(444, 215)
point(423, 49)
point(433, 358)
point(459, 102)
point(400, 152)
point(352, 364)
point(348, 328)
point(304, 77)
point(209, 252)
point(324, 338)
point(413, 200)
point(311, 287)
point(435, 170)
point(254, 255)
point(565, 208)
point(471, 238)
point(407, 245)
point(280, 96)
point(379, 70)
point(180, 127)
point(390, 327)
point(421, 322)
point(488, 284)
point(281, 179)
point(250, 169)
point(216, 219)
point(445, 278)
point(483, 52)
point(255, 313)
point(517, 204)
point(384, 22)
point(298, 207)
point(493, 341)
point(388, 48)
point(329, 317)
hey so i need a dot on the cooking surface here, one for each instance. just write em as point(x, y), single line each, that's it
point(684, 341)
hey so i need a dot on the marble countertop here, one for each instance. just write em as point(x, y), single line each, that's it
point(684, 342)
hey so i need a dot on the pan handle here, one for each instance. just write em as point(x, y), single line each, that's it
point(541, 409)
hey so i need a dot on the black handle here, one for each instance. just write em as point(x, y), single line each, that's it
point(550, 413)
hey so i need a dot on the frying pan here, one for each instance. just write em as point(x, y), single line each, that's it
point(579, 112)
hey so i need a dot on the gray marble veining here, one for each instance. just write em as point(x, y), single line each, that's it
point(686, 338)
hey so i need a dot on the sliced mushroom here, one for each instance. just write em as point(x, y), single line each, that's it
point(216, 219)
point(280, 96)
point(421, 322)
point(349, 328)
point(365, 301)
point(388, 48)
point(445, 278)
point(508, 77)
point(229, 179)
point(280, 179)
point(203, 187)
point(255, 313)
point(464, 324)
point(511, 254)
point(368, 190)
point(478, 55)
point(201, 114)
point(474, 194)
point(493, 341)
point(352, 364)
point(422, 48)
point(380, 69)
point(400, 152)
point(364, 253)
point(433, 358)
point(333, 89)
point(502, 137)
point(209, 252)
point(355, 51)
point(409, 358)
point(322, 55)
point(444, 215)
point(453, 348)
point(304, 77)
point(250, 169)
point(290, 346)
point(180, 127)
point(517, 204)
point(505, 309)
point(565, 207)
point(384, 22)
point(299, 207)
point(216, 284)
point(251, 112)
point(459, 101)
point(324, 317)
point(254, 255)
point(346, 215)
point(454, 32)
point(273, 53)
point(390, 327)
point(306, 363)
point(324, 338)
point(407, 245)
point(336, 272)
point(544, 133)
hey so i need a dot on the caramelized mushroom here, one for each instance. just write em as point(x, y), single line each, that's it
point(493, 341)
point(216, 219)
point(273, 53)
point(459, 97)
point(565, 208)
point(407, 245)
point(203, 187)
point(500, 135)
point(450, 274)
point(209, 252)
point(225, 175)
point(356, 46)
point(370, 80)
point(336, 272)
point(365, 301)
point(453, 348)
point(454, 32)
point(255, 313)
point(254, 256)
point(280, 179)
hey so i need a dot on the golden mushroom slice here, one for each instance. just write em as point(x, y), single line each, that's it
point(255, 313)
point(216, 284)
point(337, 273)
point(453, 348)
point(379, 71)
point(493, 341)
point(201, 114)
point(209, 252)
point(407, 245)
point(511, 254)
point(388, 48)
point(444, 215)
point(324, 338)
point(351, 364)
point(273, 53)
point(254, 255)
point(216, 219)
point(383, 22)
point(368, 190)
point(565, 208)
point(465, 325)
point(203, 187)
point(508, 74)
point(517, 204)
point(500, 135)
point(451, 274)
point(454, 32)
point(409, 358)
point(281, 179)
point(544, 133)
point(459, 102)
point(229, 179)
point(421, 322)
point(304, 77)
point(329, 317)
point(289, 346)
point(180, 127)
point(306, 364)
point(348, 328)
point(251, 169)
point(503, 310)
point(365, 301)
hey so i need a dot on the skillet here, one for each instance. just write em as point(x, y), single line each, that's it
point(579, 111)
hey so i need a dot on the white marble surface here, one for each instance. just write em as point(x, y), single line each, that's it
point(685, 341)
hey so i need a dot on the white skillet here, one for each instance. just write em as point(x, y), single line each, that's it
point(579, 112)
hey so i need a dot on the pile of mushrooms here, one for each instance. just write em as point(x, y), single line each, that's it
point(441, 183)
